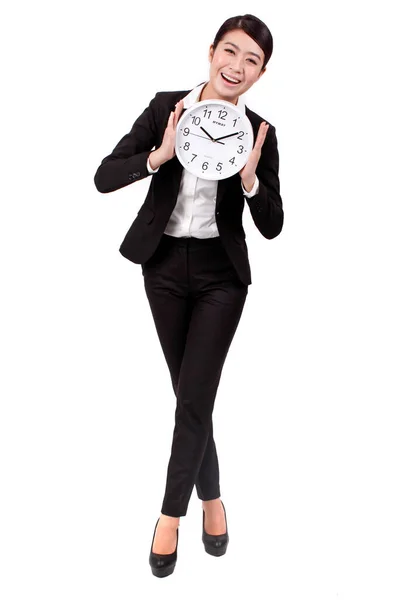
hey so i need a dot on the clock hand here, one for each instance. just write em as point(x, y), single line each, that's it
point(211, 138)
point(226, 136)
point(204, 138)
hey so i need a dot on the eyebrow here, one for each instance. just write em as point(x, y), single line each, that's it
point(237, 48)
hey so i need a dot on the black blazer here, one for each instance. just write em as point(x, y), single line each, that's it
point(127, 164)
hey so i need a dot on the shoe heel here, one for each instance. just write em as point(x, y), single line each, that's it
point(163, 565)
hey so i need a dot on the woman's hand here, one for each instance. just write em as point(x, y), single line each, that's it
point(248, 173)
point(167, 149)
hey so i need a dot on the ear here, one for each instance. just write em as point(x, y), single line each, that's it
point(262, 73)
point(211, 53)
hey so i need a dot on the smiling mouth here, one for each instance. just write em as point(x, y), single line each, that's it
point(225, 78)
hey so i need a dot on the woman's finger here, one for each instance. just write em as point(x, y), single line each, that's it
point(178, 111)
point(262, 132)
point(265, 129)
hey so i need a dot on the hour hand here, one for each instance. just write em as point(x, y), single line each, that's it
point(226, 136)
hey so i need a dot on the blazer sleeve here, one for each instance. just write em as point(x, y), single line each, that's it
point(127, 162)
point(266, 206)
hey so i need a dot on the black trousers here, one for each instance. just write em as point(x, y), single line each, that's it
point(196, 300)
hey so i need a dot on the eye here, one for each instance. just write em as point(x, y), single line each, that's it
point(250, 59)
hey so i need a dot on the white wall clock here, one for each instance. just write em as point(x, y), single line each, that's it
point(214, 139)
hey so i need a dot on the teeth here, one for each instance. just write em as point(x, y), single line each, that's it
point(230, 79)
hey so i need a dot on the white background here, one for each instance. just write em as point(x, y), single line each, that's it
point(306, 417)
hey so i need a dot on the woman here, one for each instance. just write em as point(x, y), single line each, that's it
point(195, 265)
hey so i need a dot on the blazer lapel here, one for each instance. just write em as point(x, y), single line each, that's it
point(221, 191)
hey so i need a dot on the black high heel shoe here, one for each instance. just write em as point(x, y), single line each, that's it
point(215, 544)
point(163, 565)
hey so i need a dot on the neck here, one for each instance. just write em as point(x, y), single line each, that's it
point(208, 93)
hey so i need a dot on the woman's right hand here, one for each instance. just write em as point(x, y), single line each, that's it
point(167, 149)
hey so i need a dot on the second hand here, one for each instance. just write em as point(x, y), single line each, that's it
point(206, 138)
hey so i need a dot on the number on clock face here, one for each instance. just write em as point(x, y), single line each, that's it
point(214, 142)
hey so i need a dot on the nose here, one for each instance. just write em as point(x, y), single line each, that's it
point(236, 65)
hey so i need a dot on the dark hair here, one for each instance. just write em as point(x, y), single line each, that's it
point(254, 27)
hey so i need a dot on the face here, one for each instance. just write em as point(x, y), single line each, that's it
point(236, 55)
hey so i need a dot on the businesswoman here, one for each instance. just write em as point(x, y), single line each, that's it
point(189, 239)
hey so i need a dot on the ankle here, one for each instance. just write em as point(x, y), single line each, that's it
point(211, 503)
point(166, 521)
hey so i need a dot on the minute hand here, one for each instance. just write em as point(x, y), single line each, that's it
point(226, 136)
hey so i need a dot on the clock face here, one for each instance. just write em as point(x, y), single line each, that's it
point(214, 139)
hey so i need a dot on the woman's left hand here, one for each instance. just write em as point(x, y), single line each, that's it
point(248, 173)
